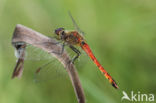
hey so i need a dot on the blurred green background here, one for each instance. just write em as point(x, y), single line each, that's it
point(121, 33)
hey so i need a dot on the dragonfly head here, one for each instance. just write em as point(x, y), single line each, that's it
point(59, 31)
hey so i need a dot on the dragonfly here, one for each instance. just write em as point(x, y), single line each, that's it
point(75, 38)
point(71, 39)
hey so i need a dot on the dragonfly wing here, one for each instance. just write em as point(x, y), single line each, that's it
point(75, 24)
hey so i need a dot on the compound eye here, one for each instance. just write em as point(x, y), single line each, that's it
point(57, 31)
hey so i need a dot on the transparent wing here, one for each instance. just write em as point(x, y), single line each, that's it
point(49, 71)
point(75, 24)
point(36, 54)
point(43, 66)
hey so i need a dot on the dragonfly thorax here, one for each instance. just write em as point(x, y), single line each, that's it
point(70, 37)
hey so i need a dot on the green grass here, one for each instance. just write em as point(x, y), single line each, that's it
point(121, 34)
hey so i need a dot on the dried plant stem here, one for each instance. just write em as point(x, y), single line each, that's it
point(24, 35)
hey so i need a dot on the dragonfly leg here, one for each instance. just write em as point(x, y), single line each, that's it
point(62, 49)
point(76, 51)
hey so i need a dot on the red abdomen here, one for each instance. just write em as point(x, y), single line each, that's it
point(87, 49)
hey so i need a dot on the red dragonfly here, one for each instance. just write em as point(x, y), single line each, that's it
point(75, 38)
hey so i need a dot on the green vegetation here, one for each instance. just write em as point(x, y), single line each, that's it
point(121, 33)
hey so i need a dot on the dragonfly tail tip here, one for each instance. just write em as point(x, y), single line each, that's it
point(115, 85)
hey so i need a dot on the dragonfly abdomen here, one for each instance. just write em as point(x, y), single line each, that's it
point(87, 49)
